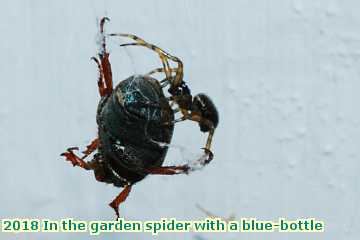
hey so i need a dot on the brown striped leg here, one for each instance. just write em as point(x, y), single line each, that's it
point(163, 54)
point(199, 119)
point(160, 70)
point(165, 81)
point(184, 169)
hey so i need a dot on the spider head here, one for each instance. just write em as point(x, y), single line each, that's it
point(204, 106)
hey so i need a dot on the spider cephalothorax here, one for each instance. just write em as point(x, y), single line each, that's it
point(136, 121)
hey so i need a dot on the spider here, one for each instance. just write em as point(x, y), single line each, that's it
point(136, 121)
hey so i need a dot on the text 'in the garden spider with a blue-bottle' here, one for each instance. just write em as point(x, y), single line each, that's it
point(136, 122)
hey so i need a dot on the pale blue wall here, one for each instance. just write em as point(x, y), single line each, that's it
point(284, 75)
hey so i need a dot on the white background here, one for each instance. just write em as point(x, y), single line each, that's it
point(283, 74)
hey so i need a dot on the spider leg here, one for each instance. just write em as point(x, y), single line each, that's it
point(197, 118)
point(119, 199)
point(141, 42)
point(164, 60)
point(202, 161)
point(160, 70)
point(170, 170)
point(166, 81)
point(181, 169)
point(162, 54)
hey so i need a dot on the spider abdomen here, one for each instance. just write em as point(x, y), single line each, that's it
point(204, 106)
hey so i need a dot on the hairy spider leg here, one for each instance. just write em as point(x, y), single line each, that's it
point(177, 80)
point(163, 58)
point(170, 170)
point(180, 169)
point(120, 198)
point(105, 82)
point(162, 53)
point(198, 118)
point(184, 169)
point(165, 81)
point(160, 70)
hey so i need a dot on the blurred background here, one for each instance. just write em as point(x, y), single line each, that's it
point(283, 74)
